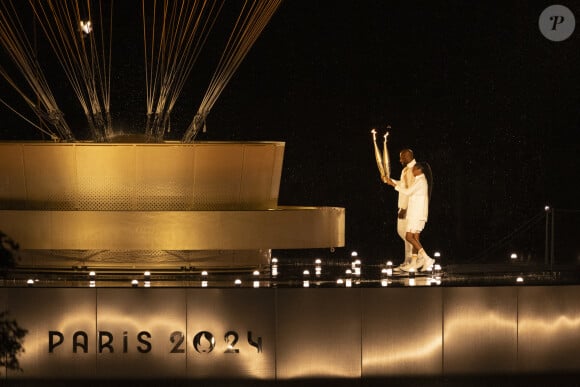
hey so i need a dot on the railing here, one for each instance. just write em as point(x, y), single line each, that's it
point(549, 238)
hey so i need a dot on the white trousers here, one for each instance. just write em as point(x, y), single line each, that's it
point(402, 230)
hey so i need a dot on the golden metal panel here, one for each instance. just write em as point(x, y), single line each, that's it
point(480, 330)
point(66, 311)
point(319, 333)
point(136, 327)
point(276, 174)
point(218, 176)
point(145, 259)
point(291, 227)
point(242, 323)
point(50, 176)
point(106, 177)
point(12, 177)
point(402, 332)
point(164, 178)
point(168, 176)
point(255, 185)
point(549, 329)
point(35, 227)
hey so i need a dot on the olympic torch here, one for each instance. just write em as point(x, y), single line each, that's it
point(378, 156)
point(386, 162)
point(383, 163)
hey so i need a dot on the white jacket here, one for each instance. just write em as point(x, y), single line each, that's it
point(403, 201)
point(418, 193)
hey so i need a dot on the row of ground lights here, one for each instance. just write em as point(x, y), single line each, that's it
point(351, 275)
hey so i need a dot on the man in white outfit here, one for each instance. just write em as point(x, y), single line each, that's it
point(407, 178)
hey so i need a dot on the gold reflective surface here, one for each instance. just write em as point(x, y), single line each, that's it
point(169, 176)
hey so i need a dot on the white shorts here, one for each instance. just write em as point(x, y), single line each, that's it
point(415, 226)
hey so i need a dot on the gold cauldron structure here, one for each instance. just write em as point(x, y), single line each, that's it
point(154, 205)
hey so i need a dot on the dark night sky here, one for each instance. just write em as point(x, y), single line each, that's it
point(472, 87)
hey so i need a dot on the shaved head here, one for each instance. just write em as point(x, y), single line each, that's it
point(407, 152)
point(406, 156)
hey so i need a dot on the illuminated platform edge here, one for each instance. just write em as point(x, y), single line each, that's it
point(282, 228)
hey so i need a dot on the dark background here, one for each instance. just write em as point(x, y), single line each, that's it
point(473, 88)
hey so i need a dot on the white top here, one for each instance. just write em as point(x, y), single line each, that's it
point(407, 172)
point(418, 198)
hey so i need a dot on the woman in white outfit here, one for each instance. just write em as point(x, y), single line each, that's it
point(417, 213)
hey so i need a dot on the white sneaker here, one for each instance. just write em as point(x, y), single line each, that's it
point(420, 262)
point(401, 266)
point(410, 267)
point(428, 262)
